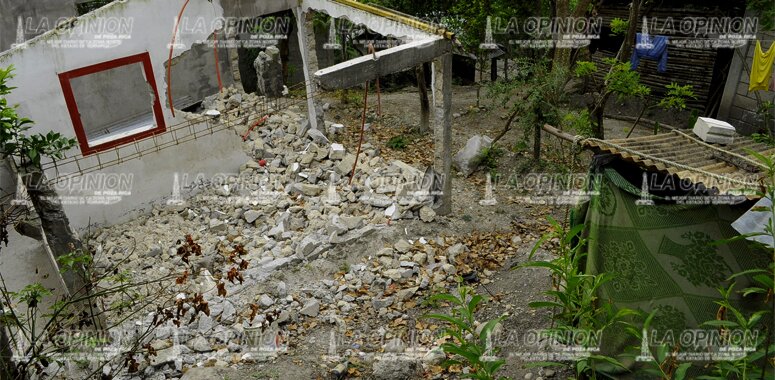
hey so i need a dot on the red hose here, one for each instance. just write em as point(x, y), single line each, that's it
point(257, 123)
point(217, 68)
point(169, 60)
point(363, 126)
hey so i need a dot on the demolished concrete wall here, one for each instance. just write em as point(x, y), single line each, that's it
point(196, 72)
point(40, 98)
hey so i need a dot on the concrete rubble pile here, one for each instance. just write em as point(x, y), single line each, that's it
point(289, 205)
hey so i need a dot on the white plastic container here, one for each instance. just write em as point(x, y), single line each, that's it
point(714, 131)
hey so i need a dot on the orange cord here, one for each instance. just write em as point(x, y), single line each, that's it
point(217, 67)
point(257, 123)
point(169, 60)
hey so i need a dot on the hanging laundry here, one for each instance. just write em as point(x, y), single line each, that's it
point(761, 68)
point(650, 47)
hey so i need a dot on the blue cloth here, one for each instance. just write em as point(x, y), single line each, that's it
point(657, 51)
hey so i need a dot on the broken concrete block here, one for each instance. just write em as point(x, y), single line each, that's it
point(269, 70)
point(307, 245)
point(337, 151)
point(714, 131)
point(318, 137)
point(199, 344)
point(376, 200)
point(311, 308)
point(335, 129)
point(352, 222)
point(251, 215)
point(427, 214)
point(265, 300)
point(346, 165)
point(464, 159)
point(308, 189)
point(402, 246)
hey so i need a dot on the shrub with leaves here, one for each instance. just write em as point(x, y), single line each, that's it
point(399, 142)
point(466, 346)
point(574, 298)
point(619, 26)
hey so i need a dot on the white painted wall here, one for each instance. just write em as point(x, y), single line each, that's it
point(40, 98)
point(24, 260)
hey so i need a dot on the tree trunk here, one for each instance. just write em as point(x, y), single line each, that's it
point(537, 143)
point(537, 135)
point(61, 240)
point(561, 57)
point(425, 105)
point(598, 108)
point(632, 28)
point(7, 368)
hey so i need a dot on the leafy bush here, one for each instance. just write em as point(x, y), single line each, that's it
point(676, 96)
point(467, 347)
point(585, 68)
point(489, 157)
point(578, 122)
point(399, 142)
point(619, 26)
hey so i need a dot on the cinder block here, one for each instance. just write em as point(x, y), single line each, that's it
point(714, 131)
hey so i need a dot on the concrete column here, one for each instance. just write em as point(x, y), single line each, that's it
point(312, 54)
point(301, 29)
point(442, 127)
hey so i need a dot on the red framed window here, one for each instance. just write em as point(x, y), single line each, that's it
point(113, 103)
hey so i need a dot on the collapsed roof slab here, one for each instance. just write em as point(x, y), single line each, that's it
point(370, 67)
point(253, 8)
point(381, 20)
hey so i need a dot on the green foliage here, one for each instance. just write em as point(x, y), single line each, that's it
point(574, 298)
point(693, 116)
point(662, 365)
point(488, 157)
point(765, 11)
point(536, 95)
point(623, 81)
point(763, 138)
point(31, 295)
point(467, 347)
point(619, 26)
point(399, 142)
point(347, 96)
point(585, 69)
point(579, 122)
point(746, 367)
point(13, 140)
point(765, 112)
point(729, 317)
point(676, 96)
point(74, 261)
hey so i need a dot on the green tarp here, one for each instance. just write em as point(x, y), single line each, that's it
point(661, 255)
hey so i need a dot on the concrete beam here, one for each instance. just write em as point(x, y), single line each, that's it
point(442, 127)
point(377, 23)
point(359, 70)
point(301, 30)
point(253, 8)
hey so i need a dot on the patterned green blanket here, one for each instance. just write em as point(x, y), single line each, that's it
point(661, 255)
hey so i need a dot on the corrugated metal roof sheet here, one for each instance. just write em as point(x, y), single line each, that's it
point(729, 168)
